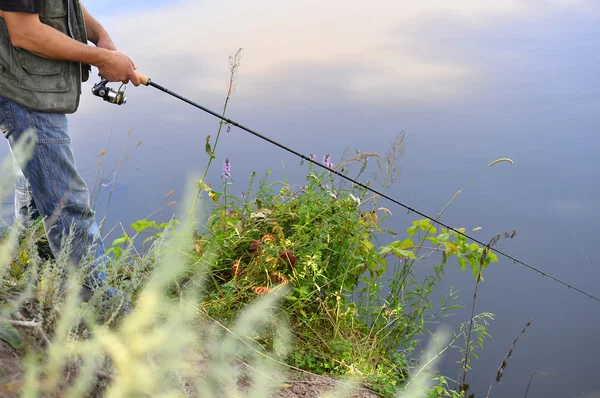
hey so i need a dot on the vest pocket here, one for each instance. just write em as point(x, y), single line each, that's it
point(6, 121)
point(39, 74)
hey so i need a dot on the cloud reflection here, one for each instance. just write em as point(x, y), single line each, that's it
point(376, 46)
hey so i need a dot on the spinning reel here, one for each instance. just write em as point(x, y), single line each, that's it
point(109, 94)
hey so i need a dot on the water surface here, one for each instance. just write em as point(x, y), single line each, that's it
point(468, 83)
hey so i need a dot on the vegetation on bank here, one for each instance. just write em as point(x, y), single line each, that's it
point(281, 277)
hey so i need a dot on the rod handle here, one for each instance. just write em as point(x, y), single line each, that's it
point(143, 78)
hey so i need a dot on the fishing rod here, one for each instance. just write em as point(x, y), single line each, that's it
point(118, 97)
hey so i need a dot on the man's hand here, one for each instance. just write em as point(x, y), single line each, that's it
point(117, 67)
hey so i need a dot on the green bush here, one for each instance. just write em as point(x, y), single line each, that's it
point(283, 277)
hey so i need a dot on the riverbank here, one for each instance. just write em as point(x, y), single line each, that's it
point(291, 277)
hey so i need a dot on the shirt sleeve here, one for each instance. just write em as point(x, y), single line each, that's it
point(30, 6)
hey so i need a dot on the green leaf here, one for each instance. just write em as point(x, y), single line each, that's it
point(385, 250)
point(433, 240)
point(120, 241)
point(406, 243)
point(116, 250)
point(142, 225)
point(23, 257)
point(450, 248)
point(473, 247)
point(208, 149)
point(202, 186)
point(214, 195)
point(368, 244)
point(411, 230)
point(401, 245)
point(422, 223)
point(10, 336)
point(444, 237)
point(425, 225)
point(462, 262)
point(404, 253)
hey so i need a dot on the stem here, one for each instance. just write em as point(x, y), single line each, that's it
point(432, 359)
point(32, 324)
point(225, 196)
point(234, 62)
point(114, 181)
point(530, 379)
point(467, 346)
point(505, 362)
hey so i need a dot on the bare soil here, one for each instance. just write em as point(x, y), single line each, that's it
point(10, 371)
point(309, 385)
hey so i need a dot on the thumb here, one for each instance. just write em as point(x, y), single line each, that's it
point(134, 79)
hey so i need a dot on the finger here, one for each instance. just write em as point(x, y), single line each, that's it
point(134, 79)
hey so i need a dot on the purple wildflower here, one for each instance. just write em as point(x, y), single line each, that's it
point(226, 169)
point(327, 161)
point(243, 196)
point(313, 157)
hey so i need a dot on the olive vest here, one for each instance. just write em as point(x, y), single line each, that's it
point(43, 84)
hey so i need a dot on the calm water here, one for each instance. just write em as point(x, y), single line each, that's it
point(468, 83)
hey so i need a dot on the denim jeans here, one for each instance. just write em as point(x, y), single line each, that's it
point(50, 186)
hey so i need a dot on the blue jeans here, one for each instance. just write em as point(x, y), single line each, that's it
point(50, 186)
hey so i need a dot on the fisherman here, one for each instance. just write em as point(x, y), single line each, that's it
point(44, 58)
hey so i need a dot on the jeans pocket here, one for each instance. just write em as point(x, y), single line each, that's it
point(51, 128)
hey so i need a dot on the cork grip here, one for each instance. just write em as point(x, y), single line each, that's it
point(143, 78)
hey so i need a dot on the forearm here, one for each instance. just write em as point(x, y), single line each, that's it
point(47, 42)
point(95, 30)
point(26, 31)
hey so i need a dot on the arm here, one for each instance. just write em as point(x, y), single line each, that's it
point(26, 31)
point(96, 32)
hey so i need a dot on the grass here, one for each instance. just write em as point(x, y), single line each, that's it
point(284, 278)
point(169, 341)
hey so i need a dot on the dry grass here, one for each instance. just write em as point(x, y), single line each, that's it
point(161, 348)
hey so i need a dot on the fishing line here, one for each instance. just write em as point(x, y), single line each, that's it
point(146, 81)
point(568, 220)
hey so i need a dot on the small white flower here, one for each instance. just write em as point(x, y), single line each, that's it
point(354, 198)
